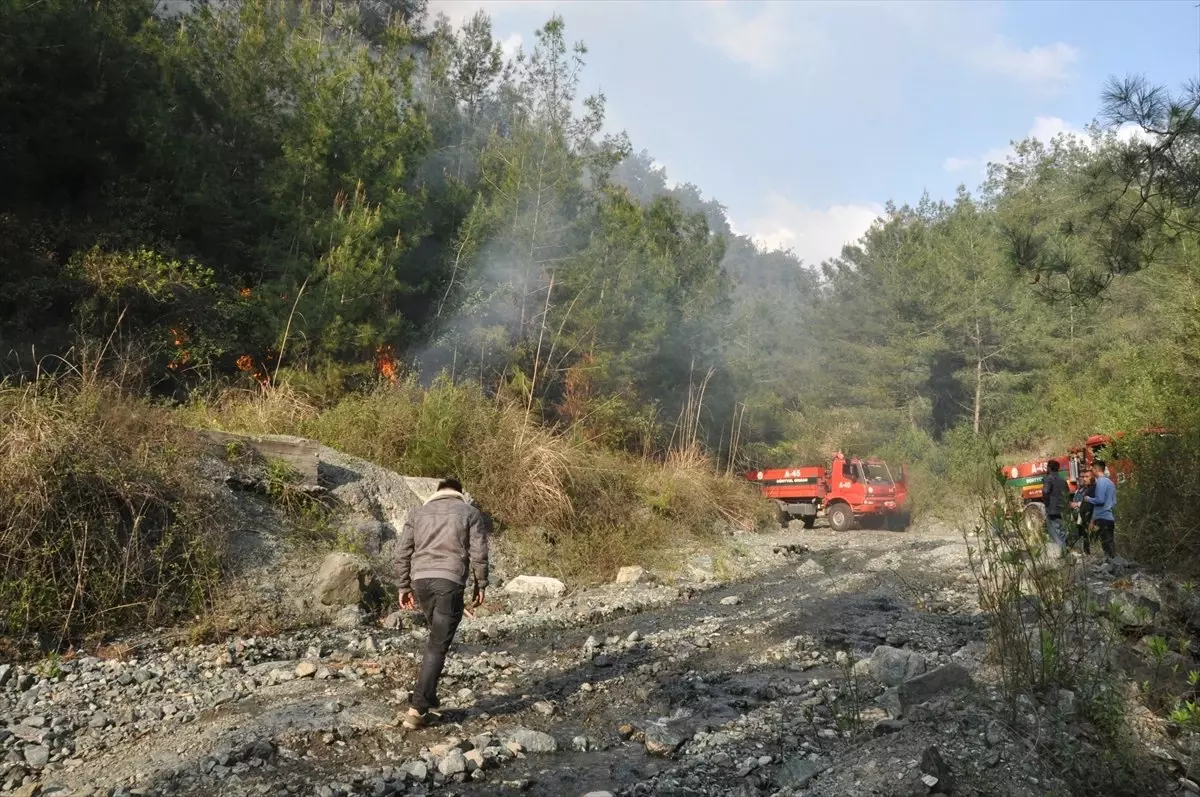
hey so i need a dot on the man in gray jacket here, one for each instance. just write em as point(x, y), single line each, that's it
point(441, 541)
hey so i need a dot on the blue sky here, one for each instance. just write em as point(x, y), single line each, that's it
point(804, 117)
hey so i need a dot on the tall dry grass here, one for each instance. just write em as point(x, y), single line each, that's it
point(565, 504)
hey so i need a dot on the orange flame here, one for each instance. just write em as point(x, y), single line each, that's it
point(244, 293)
point(386, 362)
point(245, 363)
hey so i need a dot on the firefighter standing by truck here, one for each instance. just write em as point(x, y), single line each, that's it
point(1083, 509)
point(1056, 495)
point(1103, 503)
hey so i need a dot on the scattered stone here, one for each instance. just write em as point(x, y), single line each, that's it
point(1189, 786)
point(933, 683)
point(536, 586)
point(892, 666)
point(6, 671)
point(633, 637)
point(349, 617)
point(663, 740)
point(340, 580)
point(797, 772)
point(581, 744)
point(394, 621)
point(306, 669)
point(37, 756)
point(632, 575)
point(810, 569)
point(933, 765)
point(544, 707)
point(453, 763)
point(532, 741)
point(417, 770)
point(884, 727)
point(731, 600)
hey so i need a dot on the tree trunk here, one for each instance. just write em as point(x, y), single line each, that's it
point(978, 374)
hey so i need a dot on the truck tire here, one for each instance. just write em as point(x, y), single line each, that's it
point(840, 517)
point(808, 520)
point(897, 522)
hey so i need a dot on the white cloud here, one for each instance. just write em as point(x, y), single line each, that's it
point(758, 38)
point(957, 164)
point(1045, 129)
point(1041, 66)
point(459, 11)
point(511, 44)
point(814, 234)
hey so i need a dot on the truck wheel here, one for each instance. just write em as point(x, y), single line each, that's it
point(840, 517)
point(809, 521)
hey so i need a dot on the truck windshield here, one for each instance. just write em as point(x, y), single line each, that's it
point(877, 472)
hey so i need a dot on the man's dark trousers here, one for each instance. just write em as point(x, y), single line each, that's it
point(1106, 531)
point(441, 601)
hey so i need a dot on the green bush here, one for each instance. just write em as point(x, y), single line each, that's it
point(1159, 505)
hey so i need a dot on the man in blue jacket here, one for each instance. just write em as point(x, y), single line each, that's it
point(1104, 501)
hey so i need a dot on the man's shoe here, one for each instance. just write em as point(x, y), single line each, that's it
point(415, 720)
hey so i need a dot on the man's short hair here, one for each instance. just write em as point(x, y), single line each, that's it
point(1052, 465)
point(450, 484)
point(1099, 465)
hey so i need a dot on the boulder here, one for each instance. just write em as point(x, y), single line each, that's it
point(797, 772)
point(453, 764)
point(349, 617)
point(633, 575)
point(663, 740)
point(892, 666)
point(730, 600)
point(537, 586)
point(341, 579)
point(926, 687)
point(532, 741)
point(702, 568)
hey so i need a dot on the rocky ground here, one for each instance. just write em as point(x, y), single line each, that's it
point(799, 662)
point(840, 664)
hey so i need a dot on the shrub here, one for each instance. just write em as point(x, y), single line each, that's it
point(1158, 507)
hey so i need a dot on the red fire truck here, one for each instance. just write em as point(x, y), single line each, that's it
point(850, 491)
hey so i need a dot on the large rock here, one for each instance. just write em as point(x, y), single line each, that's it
point(797, 772)
point(926, 687)
point(892, 666)
point(633, 574)
point(663, 740)
point(453, 764)
point(537, 586)
point(532, 741)
point(342, 579)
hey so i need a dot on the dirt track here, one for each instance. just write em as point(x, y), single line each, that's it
point(705, 674)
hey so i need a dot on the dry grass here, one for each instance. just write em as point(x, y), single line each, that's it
point(566, 505)
point(102, 519)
